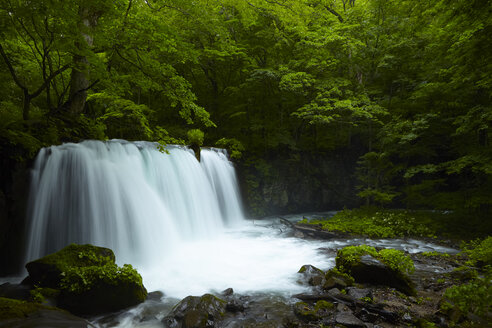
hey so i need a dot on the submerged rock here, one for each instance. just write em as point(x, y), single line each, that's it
point(88, 279)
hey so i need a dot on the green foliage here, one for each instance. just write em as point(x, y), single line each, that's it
point(233, 146)
point(479, 252)
point(474, 297)
point(195, 137)
point(81, 279)
point(379, 223)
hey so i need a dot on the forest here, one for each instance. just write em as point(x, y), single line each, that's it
point(321, 104)
point(404, 86)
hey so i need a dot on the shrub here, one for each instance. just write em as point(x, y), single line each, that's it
point(196, 137)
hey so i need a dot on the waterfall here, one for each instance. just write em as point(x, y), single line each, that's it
point(130, 197)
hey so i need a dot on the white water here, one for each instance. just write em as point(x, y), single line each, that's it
point(130, 197)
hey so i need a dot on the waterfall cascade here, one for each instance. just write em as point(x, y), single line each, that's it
point(130, 197)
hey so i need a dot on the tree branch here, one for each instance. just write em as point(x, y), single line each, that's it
point(48, 80)
point(11, 69)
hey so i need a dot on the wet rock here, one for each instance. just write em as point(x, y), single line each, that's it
point(348, 319)
point(312, 275)
point(320, 310)
point(336, 279)
point(227, 292)
point(196, 312)
point(155, 295)
point(358, 293)
point(234, 306)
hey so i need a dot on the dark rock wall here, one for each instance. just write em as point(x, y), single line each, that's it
point(306, 182)
point(14, 193)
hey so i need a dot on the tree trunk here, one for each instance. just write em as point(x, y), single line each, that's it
point(80, 78)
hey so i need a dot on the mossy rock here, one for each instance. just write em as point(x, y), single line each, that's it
point(196, 312)
point(88, 279)
point(388, 267)
point(334, 278)
point(14, 309)
point(47, 271)
point(16, 313)
point(310, 313)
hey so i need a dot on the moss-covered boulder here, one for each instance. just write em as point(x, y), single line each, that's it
point(48, 271)
point(88, 279)
point(388, 267)
point(196, 312)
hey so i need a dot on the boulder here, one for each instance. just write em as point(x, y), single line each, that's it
point(47, 271)
point(88, 279)
point(196, 312)
point(371, 270)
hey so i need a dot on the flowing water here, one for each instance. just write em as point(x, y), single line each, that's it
point(178, 221)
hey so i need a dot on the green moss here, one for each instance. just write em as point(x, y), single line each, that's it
point(78, 256)
point(347, 279)
point(394, 259)
point(349, 255)
point(13, 309)
point(80, 279)
point(435, 254)
point(323, 305)
point(40, 294)
point(380, 223)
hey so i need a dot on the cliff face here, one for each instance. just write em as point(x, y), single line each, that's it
point(307, 182)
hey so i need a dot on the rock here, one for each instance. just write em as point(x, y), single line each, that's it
point(312, 275)
point(234, 306)
point(227, 292)
point(47, 271)
point(88, 279)
point(16, 291)
point(20, 314)
point(155, 295)
point(358, 293)
point(319, 311)
point(348, 319)
point(370, 270)
point(196, 312)
point(312, 231)
point(337, 279)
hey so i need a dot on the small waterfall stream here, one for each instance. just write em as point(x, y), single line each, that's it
point(130, 197)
